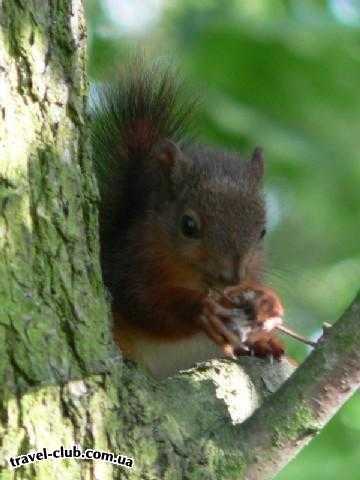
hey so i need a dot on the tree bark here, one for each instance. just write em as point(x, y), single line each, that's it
point(307, 401)
point(62, 380)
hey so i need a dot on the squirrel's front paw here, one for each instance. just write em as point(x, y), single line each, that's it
point(261, 304)
point(241, 322)
point(218, 321)
point(264, 313)
point(266, 346)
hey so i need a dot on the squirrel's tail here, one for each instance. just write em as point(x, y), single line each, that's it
point(143, 106)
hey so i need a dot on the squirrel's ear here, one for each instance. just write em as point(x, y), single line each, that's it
point(167, 154)
point(256, 164)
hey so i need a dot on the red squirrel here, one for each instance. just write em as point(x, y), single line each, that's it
point(181, 231)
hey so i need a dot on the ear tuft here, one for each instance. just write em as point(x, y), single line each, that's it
point(166, 152)
point(256, 164)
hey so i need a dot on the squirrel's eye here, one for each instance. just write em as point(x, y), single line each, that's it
point(262, 234)
point(190, 226)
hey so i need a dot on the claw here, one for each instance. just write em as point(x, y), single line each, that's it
point(229, 351)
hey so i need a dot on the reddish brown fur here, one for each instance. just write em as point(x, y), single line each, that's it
point(157, 276)
point(176, 309)
point(163, 276)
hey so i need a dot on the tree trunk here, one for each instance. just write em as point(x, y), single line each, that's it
point(62, 379)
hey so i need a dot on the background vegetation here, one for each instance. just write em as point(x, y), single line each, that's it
point(284, 75)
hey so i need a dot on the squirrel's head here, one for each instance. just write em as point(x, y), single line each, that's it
point(210, 209)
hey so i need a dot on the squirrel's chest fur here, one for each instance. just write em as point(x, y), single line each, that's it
point(164, 358)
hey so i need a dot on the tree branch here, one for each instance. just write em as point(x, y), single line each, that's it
point(291, 417)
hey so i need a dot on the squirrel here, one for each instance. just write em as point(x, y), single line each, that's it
point(181, 229)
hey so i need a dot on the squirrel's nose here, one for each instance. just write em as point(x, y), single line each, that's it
point(232, 270)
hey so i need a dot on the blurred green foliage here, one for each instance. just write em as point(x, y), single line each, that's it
point(283, 75)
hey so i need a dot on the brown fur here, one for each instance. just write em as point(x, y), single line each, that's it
point(149, 178)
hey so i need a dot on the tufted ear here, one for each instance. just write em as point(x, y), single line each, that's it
point(256, 165)
point(173, 162)
point(167, 153)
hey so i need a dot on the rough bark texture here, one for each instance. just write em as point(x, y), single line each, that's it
point(305, 403)
point(62, 380)
point(50, 284)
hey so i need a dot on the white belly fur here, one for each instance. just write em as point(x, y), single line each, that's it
point(166, 358)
